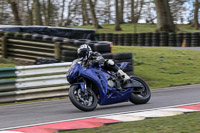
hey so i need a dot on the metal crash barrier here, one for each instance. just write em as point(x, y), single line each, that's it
point(23, 83)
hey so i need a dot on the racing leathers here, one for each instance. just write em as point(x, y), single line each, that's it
point(97, 58)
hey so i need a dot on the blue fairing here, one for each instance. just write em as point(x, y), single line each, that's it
point(123, 65)
point(99, 77)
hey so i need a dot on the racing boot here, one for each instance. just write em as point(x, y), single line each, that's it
point(123, 75)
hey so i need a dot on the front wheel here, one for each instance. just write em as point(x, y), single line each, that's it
point(83, 101)
point(141, 94)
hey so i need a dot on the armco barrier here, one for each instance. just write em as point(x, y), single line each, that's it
point(33, 82)
point(24, 83)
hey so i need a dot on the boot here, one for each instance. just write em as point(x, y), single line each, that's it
point(123, 75)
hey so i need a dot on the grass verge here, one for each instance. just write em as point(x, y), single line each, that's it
point(187, 123)
point(8, 63)
point(142, 27)
point(162, 67)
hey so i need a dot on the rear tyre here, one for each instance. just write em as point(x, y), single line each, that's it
point(140, 94)
point(80, 100)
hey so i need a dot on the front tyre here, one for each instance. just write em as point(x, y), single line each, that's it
point(141, 94)
point(80, 100)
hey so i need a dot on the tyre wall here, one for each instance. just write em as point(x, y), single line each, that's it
point(29, 47)
point(152, 39)
point(122, 57)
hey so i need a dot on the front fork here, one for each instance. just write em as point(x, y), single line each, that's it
point(83, 86)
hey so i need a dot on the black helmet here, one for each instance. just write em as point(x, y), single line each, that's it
point(84, 51)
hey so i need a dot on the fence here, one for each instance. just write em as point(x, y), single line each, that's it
point(33, 82)
point(28, 50)
point(73, 33)
point(152, 39)
point(24, 83)
point(28, 47)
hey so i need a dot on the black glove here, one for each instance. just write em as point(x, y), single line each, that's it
point(92, 62)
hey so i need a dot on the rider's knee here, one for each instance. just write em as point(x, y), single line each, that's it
point(110, 65)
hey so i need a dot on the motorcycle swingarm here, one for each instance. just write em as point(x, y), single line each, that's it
point(132, 85)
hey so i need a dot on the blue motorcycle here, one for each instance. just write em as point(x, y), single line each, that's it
point(92, 85)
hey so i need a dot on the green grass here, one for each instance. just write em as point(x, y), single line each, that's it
point(129, 28)
point(159, 67)
point(8, 63)
point(187, 123)
point(162, 67)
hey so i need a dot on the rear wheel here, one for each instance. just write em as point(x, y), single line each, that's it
point(141, 94)
point(83, 101)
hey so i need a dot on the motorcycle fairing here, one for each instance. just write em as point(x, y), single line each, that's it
point(99, 77)
point(123, 65)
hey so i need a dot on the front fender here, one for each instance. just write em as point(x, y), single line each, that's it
point(81, 84)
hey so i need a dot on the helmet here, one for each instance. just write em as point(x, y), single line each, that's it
point(84, 51)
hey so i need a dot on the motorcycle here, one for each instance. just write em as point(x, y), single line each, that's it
point(92, 85)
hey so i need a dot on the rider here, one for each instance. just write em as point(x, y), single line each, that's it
point(86, 53)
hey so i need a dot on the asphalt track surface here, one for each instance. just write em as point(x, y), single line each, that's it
point(19, 115)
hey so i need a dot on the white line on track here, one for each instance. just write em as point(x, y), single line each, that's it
point(98, 116)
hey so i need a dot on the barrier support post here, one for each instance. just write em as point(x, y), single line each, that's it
point(4, 47)
point(57, 50)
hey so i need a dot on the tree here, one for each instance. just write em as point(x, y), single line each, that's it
point(149, 13)
point(86, 20)
point(140, 4)
point(5, 17)
point(29, 20)
point(108, 11)
point(196, 16)
point(72, 8)
point(132, 11)
point(117, 24)
point(62, 13)
point(37, 18)
point(121, 13)
point(50, 12)
point(178, 9)
point(14, 8)
point(93, 14)
point(164, 17)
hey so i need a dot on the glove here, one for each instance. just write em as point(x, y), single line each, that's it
point(92, 62)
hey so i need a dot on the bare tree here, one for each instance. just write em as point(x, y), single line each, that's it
point(62, 13)
point(5, 17)
point(121, 13)
point(37, 18)
point(108, 11)
point(30, 13)
point(14, 8)
point(93, 14)
point(132, 11)
point(73, 6)
point(86, 20)
point(149, 13)
point(196, 16)
point(45, 12)
point(49, 10)
point(164, 17)
point(178, 9)
point(117, 24)
point(140, 4)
